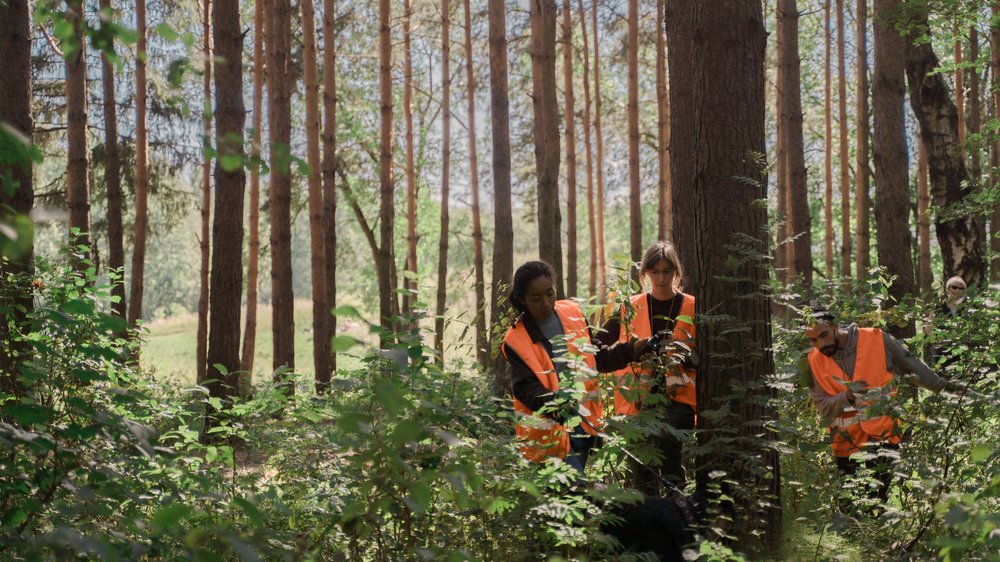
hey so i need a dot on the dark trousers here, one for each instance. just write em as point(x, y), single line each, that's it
point(880, 467)
point(580, 444)
point(647, 479)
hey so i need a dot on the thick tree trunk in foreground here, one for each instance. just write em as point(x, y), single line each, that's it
point(797, 182)
point(717, 60)
point(206, 197)
point(889, 153)
point(330, 164)
point(569, 114)
point(546, 120)
point(137, 284)
point(632, 110)
point(862, 201)
point(503, 228)
point(77, 164)
point(961, 238)
point(442, 273)
point(386, 187)
point(482, 347)
point(112, 178)
point(591, 220)
point(227, 229)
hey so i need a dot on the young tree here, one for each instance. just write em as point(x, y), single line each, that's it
point(889, 152)
point(571, 245)
point(230, 182)
point(862, 201)
point(442, 277)
point(112, 175)
point(482, 347)
point(960, 238)
point(591, 222)
point(795, 166)
point(330, 164)
point(632, 109)
point(410, 282)
point(716, 60)
point(386, 187)
point(546, 120)
point(665, 214)
point(206, 196)
point(77, 165)
point(828, 143)
point(601, 255)
point(280, 196)
point(845, 171)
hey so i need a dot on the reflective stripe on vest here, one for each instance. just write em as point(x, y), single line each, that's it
point(856, 426)
point(541, 437)
point(633, 381)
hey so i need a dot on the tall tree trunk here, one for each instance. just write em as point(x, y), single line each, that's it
point(797, 181)
point(280, 195)
point(253, 218)
point(570, 115)
point(784, 256)
point(665, 215)
point(975, 109)
point(112, 177)
point(862, 201)
point(632, 110)
point(995, 68)
point(924, 275)
point(330, 164)
point(206, 196)
point(137, 284)
point(717, 60)
point(410, 283)
point(321, 311)
point(386, 188)
point(546, 120)
point(77, 165)
point(959, 88)
point(961, 238)
point(503, 229)
point(591, 221)
point(442, 276)
point(15, 112)
point(892, 224)
point(845, 169)
point(227, 229)
point(482, 347)
point(601, 254)
point(828, 143)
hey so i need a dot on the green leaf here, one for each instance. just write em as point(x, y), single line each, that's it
point(231, 162)
point(419, 498)
point(78, 307)
point(407, 431)
point(390, 397)
point(342, 343)
point(167, 32)
point(981, 453)
point(346, 312)
point(170, 515)
point(250, 510)
point(27, 414)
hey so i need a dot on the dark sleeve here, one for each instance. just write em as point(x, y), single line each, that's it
point(615, 357)
point(899, 360)
point(608, 335)
point(526, 387)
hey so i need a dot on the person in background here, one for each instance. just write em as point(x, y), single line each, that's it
point(939, 352)
point(541, 348)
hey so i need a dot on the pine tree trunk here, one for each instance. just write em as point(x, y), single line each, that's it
point(330, 165)
point(845, 170)
point(546, 121)
point(632, 110)
point(828, 143)
point(892, 224)
point(411, 179)
point(959, 89)
point(571, 243)
point(602, 265)
point(503, 228)
point(206, 197)
point(442, 273)
point(975, 110)
point(591, 220)
point(995, 72)
point(482, 347)
point(386, 188)
point(717, 60)
point(862, 201)
point(15, 112)
point(227, 229)
point(253, 216)
point(112, 179)
point(141, 171)
point(924, 275)
point(665, 214)
point(280, 195)
point(77, 164)
point(321, 311)
point(961, 239)
point(797, 181)
point(784, 253)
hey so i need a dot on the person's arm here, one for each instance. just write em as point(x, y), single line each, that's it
point(525, 384)
point(608, 335)
point(828, 406)
point(902, 362)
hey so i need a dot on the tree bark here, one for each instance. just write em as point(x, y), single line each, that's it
point(995, 73)
point(321, 311)
point(546, 121)
point(797, 180)
point(591, 221)
point(570, 116)
point(632, 111)
point(889, 152)
point(503, 228)
point(482, 347)
point(330, 164)
point(206, 198)
point(410, 283)
point(845, 169)
point(924, 275)
point(959, 88)
point(961, 238)
point(137, 284)
point(784, 254)
point(77, 164)
point(975, 110)
point(227, 228)
point(280, 195)
point(828, 143)
point(602, 265)
point(862, 201)
point(112, 178)
point(442, 273)
point(386, 187)
point(716, 60)
point(665, 215)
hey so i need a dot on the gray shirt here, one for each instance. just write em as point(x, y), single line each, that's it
point(898, 360)
point(552, 329)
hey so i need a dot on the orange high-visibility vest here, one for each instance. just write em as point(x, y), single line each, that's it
point(628, 388)
point(542, 437)
point(852, 429)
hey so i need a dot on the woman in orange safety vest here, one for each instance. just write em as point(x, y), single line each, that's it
point(550, 355)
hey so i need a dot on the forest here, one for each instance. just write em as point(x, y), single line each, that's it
point(269, 291)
